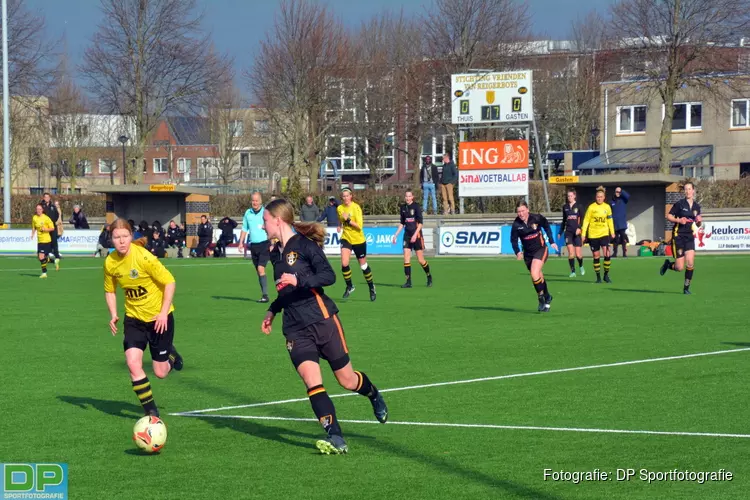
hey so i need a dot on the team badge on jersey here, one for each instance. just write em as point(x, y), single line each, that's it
point(534, 226)
point(291, 258)
point(575, 210)
point(411, 211)
point(133, 274)
point(695, 213)
point(289, 345)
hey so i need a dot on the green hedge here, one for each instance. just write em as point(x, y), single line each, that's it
point(711, 194)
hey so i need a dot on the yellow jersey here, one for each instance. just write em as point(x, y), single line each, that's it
point(39, 222)
point(598, 221)
point(143, 279)
point(353, 236)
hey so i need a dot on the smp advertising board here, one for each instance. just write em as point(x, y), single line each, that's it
point(491, 97)
point(497, 168)
point(470, 240)
point(723, 236)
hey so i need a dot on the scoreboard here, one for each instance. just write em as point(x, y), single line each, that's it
point(491, 97)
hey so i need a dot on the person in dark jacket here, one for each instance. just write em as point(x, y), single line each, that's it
point(227, 226)
point(310, 211)
point(157, 245)
point(448, 179)
point(105, 242)
point(620, 218)
point(428, 177)
point(205, 235)
point(329, 214)
point(142, 230)
point(175, 237)
point(78, 218)
point(51, 211)
point(156, 226)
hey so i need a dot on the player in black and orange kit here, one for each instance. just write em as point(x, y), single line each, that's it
point(528, 228)
point(311, 324)
point(411, 222)
point(149, 288)
point(683, 215)
point(572, 217)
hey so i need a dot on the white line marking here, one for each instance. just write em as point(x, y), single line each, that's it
point(487, 426)
point(473, 380)
point(170, 266)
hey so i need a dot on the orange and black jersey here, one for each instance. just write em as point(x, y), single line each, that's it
point(305, 303)
point(683, 209)
point(411, 216)
point(572, 217)
point(530, 233)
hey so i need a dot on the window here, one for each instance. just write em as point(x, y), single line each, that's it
point(739, 112)
point(35, 158)
point(687, 116)
point(236, 128)
point(343, 152)
point(244, 159)
point(184, 165)
point(436, 146)
point(58, 131)
point(631, 119)
point(261, 127)
point(349, 152)
point(208, 168)
point(107, 166)
point(82, 131)
point(161, 166)
point(83, 167)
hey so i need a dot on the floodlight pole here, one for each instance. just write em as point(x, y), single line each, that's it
point(539, 161)
point(6, 118)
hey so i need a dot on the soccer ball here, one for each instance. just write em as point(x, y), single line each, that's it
point(150, 434)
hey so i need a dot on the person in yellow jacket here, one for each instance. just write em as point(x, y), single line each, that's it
point(353, 240)
point(600, 230)
point(42, 226)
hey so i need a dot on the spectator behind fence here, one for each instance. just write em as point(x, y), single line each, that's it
point(78, 218)
point(448, 179)
point(329, 213)
point(227, 226)
point(310, 211)
point(175, 237)
point(620, 218)
point(105, 242)
point(428, 176)
point(205, 236)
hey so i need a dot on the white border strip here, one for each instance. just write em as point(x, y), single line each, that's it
point(487, 426)
point(473, 380)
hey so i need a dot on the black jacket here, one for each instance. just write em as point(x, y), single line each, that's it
point(205, 232)
point(157, 247)
point(175, 235)
point(105, 239)
point(423, 174)
point(227, 226)
point(51, 211)
point(450, 173)
point(79, 220)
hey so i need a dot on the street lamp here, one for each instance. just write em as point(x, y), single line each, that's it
point(594, 135)
point(123, 139)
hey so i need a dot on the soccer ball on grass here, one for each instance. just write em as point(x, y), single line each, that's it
point(150, 434)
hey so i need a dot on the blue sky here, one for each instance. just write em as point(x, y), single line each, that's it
point(238, 25)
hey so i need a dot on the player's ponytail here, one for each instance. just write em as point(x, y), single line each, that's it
point(285, 211)
point(141, 242)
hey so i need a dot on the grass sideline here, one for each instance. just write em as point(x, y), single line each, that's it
point(67, 396)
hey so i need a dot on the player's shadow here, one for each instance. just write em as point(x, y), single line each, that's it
point(638, 290)
point(29, 275)
point(223, 297)
point(388, 285)
point(738, 344)
point(114, 408)
point(457, 469)
point(568, 280)
point(496, 308)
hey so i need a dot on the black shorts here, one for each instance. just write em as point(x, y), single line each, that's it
point(139, 333)
point(571, 238)
point(597, 243)
point(324, 339)
point(418, 243)
point(45, 248)
point(621, 237)
point(681, 244)
point(360, 249)
point(261, 253)
point(540, 254)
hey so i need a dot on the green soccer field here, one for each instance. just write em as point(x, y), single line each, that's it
point(484, 392)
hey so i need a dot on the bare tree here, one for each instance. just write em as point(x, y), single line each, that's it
point(230, 129)
point(304, 49)
point(150, 59)
point(675, 44)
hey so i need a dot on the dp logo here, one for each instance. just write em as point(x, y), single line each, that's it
point(35, 480)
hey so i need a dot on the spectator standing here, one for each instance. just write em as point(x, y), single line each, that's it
point(329, 213)
point(428, 176)
point(78, 218)
point(205, 235)
point(227, 226)
point(448, 179)
point(105, 242)
point(310, 211)
point(620, 218)
point(51, 211)
point(175, 237)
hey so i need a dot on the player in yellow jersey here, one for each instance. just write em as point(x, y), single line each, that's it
point(600, 230)
point(42, 226)
point(149, 289)
point(353, 240)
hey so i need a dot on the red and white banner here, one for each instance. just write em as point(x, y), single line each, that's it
point(725, 236)
point(499, 168)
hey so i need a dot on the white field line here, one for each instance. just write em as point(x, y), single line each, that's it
point(170, 266)
point(486, 426)
point(473, 380)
